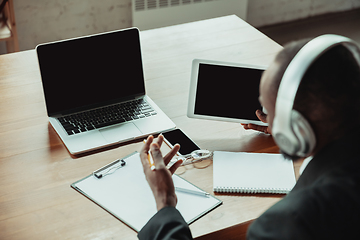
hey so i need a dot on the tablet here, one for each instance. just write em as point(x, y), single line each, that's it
point(225, 91)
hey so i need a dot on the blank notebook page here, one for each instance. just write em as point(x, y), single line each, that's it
point(252, 173)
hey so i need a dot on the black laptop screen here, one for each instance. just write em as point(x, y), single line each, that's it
point(227, 91)
point(92, 70)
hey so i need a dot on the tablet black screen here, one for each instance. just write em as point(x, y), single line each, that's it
point(228, 91)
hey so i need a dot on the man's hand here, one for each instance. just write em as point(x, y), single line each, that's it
point(262, 117)
point(160, 179)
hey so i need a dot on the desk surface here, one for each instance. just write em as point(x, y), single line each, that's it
point(36, 171)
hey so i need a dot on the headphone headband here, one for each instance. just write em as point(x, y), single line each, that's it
point(283, 128)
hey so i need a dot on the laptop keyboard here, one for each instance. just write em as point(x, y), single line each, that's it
point(107, 116)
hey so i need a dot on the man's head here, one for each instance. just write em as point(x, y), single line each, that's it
point(328, 95)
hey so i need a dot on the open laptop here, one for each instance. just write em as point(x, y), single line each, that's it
point(95, 91)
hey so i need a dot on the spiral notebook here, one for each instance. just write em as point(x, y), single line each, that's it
point(121, 189)
point(252, 173)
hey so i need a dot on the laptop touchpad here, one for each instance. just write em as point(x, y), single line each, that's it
point(121, 132)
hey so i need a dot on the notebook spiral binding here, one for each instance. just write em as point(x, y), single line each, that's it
point(251, 190)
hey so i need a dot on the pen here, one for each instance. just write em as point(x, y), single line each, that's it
point(151, 162)
point(150, 159)
point(185, 190)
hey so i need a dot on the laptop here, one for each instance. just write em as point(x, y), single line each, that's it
point(94, 91)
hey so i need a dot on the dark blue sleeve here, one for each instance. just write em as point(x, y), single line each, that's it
point(166, 224)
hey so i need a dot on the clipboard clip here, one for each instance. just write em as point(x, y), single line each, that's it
point(109, 168)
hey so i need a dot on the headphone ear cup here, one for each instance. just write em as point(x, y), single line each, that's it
point(285, 144)
point(303, 133)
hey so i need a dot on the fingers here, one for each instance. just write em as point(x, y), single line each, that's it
point(159, 140)
point(171, 154)
point(258, 128)
point(261, 115)
point(251, 126)
point(144, 152)
point(157, 155)
point(175, 166)
point(152, 146)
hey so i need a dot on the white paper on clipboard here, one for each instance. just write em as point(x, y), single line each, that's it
point(126, 195)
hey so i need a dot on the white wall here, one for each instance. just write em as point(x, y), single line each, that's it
point(268, 12)
point(41, 21)
point(155, 15)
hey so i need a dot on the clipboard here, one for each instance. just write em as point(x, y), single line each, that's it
point(123, 191)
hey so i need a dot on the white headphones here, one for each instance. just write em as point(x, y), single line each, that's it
point(291, 131)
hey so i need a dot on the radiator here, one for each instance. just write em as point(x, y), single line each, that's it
point(148, 14)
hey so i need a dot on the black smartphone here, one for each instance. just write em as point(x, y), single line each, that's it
point(177, 136)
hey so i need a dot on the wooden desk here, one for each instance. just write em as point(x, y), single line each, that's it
point(36, 201)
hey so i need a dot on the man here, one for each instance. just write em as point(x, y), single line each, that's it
point(325, 202)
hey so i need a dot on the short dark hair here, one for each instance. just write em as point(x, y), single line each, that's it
point(329, 93)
